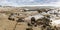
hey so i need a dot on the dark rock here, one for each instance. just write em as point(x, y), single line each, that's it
point(20, 20)
point(29, 29)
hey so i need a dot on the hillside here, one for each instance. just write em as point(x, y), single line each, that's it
point(15, 13)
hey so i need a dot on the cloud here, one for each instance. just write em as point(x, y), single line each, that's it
point(57, 3)
point(30, 2)
point(7, 3)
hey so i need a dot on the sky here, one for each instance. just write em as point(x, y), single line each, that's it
point(30, 2)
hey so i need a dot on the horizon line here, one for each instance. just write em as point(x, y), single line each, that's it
point(31, 5)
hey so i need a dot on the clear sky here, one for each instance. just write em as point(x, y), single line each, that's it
point(30, 2)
